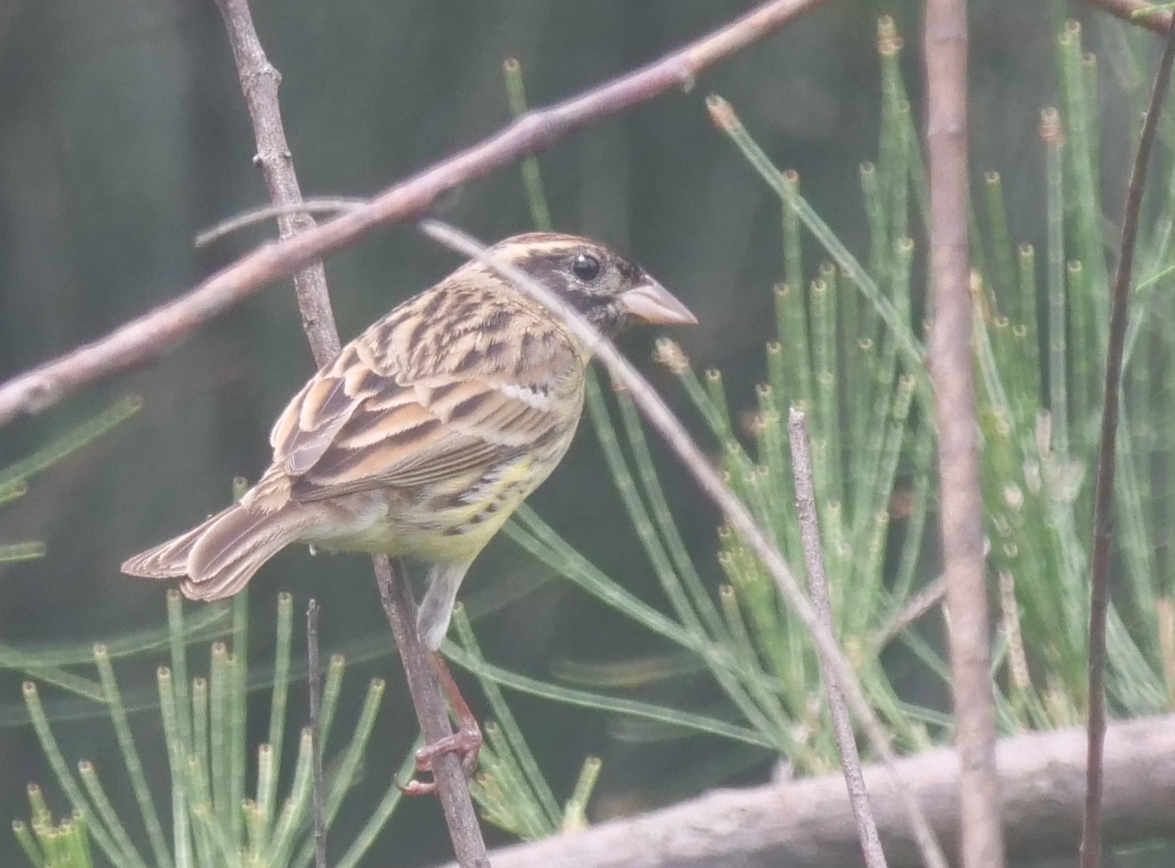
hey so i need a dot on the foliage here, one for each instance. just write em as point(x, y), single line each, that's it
point(212, 821)
point(14, 478)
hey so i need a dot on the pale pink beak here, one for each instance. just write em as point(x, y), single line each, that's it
point(653, 303)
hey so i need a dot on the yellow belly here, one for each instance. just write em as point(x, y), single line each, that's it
point(443, 523)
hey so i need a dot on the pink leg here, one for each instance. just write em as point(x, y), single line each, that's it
point(466, 741)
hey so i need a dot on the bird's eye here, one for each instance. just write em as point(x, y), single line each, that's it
point(586, 267)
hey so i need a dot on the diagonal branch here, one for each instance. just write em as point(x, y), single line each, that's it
point(148, 336)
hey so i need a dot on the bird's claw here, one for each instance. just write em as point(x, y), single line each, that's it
point(465, 742)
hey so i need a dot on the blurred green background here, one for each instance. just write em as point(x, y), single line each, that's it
point(123, 134)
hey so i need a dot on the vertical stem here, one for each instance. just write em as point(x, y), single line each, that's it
point(842, 724)
point(452, 790)
point(315, 732)
point(1099, 592)
point(953, 381)
point(259, 83)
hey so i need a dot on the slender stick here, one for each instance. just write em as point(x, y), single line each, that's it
point(953, 381)
point(842, 724)
point(146, 337)
point(434, 720)
point(318, 322)
point(259, 84)
point(315, 687)
point(734, 512)
point(1099, 590)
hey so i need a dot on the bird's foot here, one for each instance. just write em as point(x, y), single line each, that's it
point(465, 742)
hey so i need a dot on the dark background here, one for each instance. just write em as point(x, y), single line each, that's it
point(123, 134)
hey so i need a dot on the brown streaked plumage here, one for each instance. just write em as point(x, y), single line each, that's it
point(427, 430)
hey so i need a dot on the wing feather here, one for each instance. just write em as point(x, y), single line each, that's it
point(387, 413)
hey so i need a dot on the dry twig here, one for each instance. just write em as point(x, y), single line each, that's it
point(146, 337)
point(259, 83)
point(1103, 505)
point(953, 380)
point(842, 724)
point(315, 690)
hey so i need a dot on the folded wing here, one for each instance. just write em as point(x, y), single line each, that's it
point(369, 421)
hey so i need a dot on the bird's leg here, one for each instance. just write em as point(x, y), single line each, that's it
point(466, 741)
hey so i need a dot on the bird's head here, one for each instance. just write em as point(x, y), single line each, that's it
point(608, 288)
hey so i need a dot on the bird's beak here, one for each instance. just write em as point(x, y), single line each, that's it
point(653, 303)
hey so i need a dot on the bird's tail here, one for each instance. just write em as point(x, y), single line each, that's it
point(219, 556)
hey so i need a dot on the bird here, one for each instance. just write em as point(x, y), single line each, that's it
point(425, 432)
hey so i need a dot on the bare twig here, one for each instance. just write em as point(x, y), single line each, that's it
point(434, 719)
point(315, 688)
point(842, 724)
point(259, 81)
point(1136, 12)
point(261, 215)
point(809, 824)
point(916, 606)
point(952, 378)
point(1099, 590)
point(146, 337)
point(734, 512)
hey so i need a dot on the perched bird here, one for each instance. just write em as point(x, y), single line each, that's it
point(429, 429)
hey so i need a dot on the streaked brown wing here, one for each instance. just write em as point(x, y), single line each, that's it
point(355, 428)
point(308, 426)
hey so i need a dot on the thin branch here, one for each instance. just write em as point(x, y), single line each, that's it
point(953, 381)
point(735, 513)
point(1099, 583)
point(808, 823)
point(1136, 12)
point(452, 790)
point(916, 606)
point(315, 689)
point(259, 82)
point(261, 215)
point(146, 337)
point(842, 724)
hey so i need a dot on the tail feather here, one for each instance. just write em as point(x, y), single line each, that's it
point(168, 560)
point(220, 556)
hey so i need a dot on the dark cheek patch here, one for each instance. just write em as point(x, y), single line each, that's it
point(552, 270)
